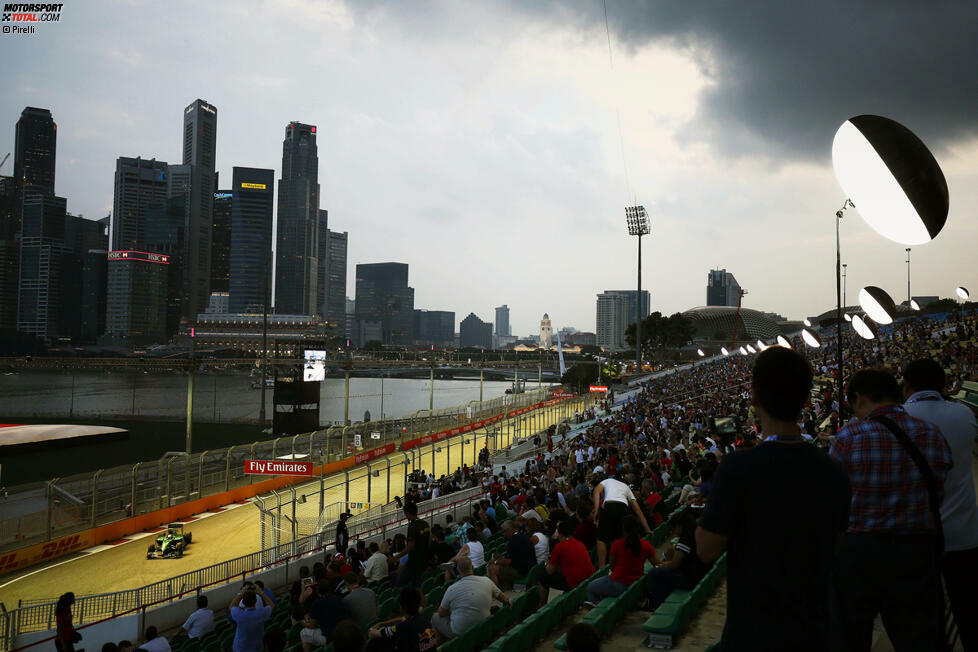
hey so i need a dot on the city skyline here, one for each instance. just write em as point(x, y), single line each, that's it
point(425, 146)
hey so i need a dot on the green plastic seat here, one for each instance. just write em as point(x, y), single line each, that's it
point(663, 623)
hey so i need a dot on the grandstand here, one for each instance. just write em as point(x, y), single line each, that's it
point(296, 525)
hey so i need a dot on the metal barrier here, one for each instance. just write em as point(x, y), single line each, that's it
point(37, 616)
point(40, 512)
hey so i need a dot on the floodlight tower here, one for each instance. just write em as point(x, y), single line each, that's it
point(638, 224)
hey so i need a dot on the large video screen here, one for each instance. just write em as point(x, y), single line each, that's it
point(315, 366)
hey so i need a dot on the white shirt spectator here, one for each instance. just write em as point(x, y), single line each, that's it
point(477, 553)
point(616, 491)
point(579, 455)
point(376, 567)
point(959, 513)
point(469, 600)
point(199, 623)
point(158, 644)
point(590, 453)
point(541, 547)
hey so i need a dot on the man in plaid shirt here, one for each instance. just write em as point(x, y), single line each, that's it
point(889, 562)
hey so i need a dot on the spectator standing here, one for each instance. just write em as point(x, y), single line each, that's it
point(569, 565)
point(156, 643)
point(777, 509)
point(466, 602)
point(519, 559)
point(612, 497)
point(376, 566)
point(889, 563)
point(628, 557)
point(250, 621)
point(342, 534)
point(416, 551)
point(64, 639)
point(923, 382)
point(200, 622)
point(361, 601)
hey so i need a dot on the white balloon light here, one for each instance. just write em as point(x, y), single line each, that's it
point(743, 351)
point(892, 179)
point(865, 329)
point(963, 293)
point(751, 349)
point(807, 322)
point(700, 352)
point(847, 317)
point(724, 350)
point(876, 303)
point(783, 341)
point(761, 345)
point(914, 304)
point(811, 339)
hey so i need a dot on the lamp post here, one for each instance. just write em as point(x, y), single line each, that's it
point(908, 276)
point(838, 303)
point(844, 265)
point(638, 225)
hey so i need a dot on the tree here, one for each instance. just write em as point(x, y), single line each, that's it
point(659, 333)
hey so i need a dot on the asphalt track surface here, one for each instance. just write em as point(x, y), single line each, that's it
point(217, 537)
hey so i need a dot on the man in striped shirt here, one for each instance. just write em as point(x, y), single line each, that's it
point(889, 561)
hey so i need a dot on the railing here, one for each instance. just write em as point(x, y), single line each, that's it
point(34, 616)
point(40, 512)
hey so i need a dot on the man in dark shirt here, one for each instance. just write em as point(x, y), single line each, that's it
point(342, 534)
point(520, 558)
point(779, 510)
point(441, 551)
point(418, 549)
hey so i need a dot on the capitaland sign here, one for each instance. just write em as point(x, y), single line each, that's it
point(253, 186)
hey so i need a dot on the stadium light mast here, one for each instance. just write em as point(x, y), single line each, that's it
point(638, 225)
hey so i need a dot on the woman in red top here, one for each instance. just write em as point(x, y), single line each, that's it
point(64, 639)
point(628, 556)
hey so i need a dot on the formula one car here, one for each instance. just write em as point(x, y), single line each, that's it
point(171, 543)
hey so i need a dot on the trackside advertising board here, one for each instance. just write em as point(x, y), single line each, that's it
point(277, 467)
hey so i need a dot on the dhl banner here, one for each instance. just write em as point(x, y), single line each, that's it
point(42, 552)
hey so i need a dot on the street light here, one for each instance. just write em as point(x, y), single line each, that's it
point(876, 303)
point(865, 329)
point(811, 339)
point(638, 225)
point(896, 183)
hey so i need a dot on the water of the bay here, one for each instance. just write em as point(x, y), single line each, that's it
point(218, 398)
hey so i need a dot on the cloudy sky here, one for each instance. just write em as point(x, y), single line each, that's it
point(479, 141)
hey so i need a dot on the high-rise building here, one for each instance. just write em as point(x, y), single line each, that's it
point(335, 264)
point(42, 258)
point(434, 328)
point(81, 236)
point(322, 274)
point(139, 183)
point(546, 332)
point(164, 234)
point(502, 320)
point(199, 150)
point(136, 298)
point(9, 253)
point(722, 288)
point(297, 245)
point(382, 294)
point(94, 284)
point(616, 310)
point(473, 332)
point(221, 243)
point(35, 145)
point(251, 239)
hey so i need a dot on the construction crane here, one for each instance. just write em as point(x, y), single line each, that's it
point(4, 160)
point(740, 300)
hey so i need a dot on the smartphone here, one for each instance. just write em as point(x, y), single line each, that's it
point(306, 581)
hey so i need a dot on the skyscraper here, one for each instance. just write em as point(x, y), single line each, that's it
point(221, 242)
point(297, 246)
point(722, 288)
point(9, 253)
point(42, 253)
point(434, 328)
point(35, 145)
point(473, 332)
point(165, 225)
point(199, 150)
point(382, 294)
point(322, 275)
point(335, 311)
point(616, 310)
point(137, 288)
point(251, 238)
point(139, 183)
point(502, 320)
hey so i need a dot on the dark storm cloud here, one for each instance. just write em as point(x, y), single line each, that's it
point(786, 74)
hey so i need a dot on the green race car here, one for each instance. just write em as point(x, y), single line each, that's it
point(171, 543)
